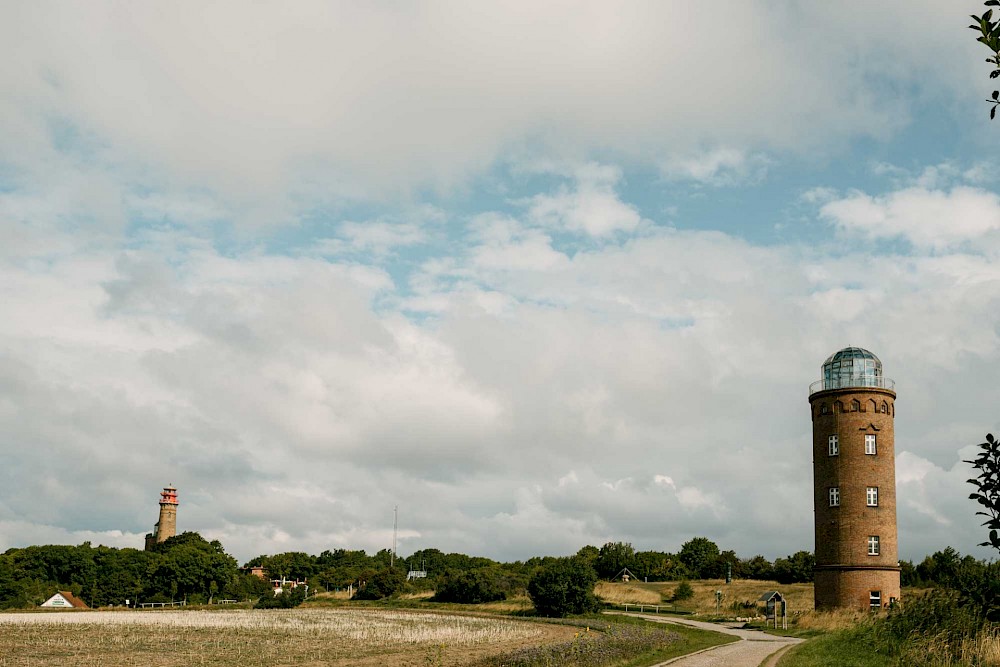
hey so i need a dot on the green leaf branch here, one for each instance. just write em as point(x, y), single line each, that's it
point(990, 36)
point(987, 485)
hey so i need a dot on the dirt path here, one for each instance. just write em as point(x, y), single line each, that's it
point(751, 651)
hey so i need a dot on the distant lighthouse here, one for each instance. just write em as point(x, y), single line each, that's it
point(166, 527)
point(854, 483)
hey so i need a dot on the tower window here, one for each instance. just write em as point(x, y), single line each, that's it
point(870, 447)
point(833, 445)
point(872, 496)
point(873, 545)
point(875, 600)
point(834, 496)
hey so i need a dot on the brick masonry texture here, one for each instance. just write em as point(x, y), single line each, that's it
point(845, 572)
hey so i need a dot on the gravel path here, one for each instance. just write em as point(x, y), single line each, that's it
point(753, 649)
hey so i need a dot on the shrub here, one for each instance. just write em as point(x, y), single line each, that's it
point(485, 584)
point(288, 598)
point(565, 586)
point(683, 592)
point(384, 583)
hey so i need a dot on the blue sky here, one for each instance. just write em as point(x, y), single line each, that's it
point(541, 276)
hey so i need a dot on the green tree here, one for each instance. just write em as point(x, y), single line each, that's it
point(613, 558)
point(655, 565)
point(286, 599)
point(987, 483)
point(683, 592)
point(589, 554)
point(699, 555)
point(757, 567)
point(382, 584)
point(563, 587)
point(797, 568)
point(485, 584)
point(989, 34)
point(290, 565)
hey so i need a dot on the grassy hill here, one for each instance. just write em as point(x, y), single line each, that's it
point(738, 598)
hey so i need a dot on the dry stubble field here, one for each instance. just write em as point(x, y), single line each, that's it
point(248, 638)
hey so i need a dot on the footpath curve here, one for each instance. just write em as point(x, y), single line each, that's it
point(752, 650)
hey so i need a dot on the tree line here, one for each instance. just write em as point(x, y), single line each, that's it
point(188, 567)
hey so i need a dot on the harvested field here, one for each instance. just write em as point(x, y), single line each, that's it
point(249, 638)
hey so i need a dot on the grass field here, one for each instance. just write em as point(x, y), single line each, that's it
point(247, 638)
point(735, 596)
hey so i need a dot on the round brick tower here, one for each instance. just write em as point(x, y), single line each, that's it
point(166, 527)
point(854, 483)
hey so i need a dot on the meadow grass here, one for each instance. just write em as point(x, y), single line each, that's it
point(738, 598)
point(620, 593)
point(622, 641)
point(927, 631)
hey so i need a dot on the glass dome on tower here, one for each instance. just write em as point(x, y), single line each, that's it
point(852, 367)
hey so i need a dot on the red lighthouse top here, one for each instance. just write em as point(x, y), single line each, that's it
point(168, 496)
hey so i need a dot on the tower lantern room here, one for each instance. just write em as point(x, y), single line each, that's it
point(854, 482)
point(168, 496)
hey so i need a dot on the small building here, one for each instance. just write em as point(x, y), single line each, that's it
point(65, 600)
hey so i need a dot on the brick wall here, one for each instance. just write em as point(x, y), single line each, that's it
point(846, 572)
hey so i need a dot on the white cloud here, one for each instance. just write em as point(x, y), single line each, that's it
point(717, 167)
point(591, 207)
point(934, 219)
point(269, 105)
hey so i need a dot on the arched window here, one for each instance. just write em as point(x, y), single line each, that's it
point(885, 408)
point(855, 405)
point(871, 405)
point(838, 406)
point(824, 409)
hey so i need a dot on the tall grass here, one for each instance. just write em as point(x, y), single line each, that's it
point(626, 594)
point(931, 630)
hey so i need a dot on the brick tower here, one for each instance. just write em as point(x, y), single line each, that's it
point(854, 483)
point(166, 527)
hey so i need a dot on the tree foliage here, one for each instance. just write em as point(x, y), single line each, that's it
point(185, 566)
point(989, 34)
point(563, 587)
point(987, 483)
point(699, 555)
point(385, 583)
point(794, 569)
point(613, 558)
point(683, 592)
point(484, 584)
point(286, 599)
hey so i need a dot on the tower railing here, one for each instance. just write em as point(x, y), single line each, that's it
point(878, 382)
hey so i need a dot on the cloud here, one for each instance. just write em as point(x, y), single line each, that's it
point(720, 167)
point(271, 109)
point(591, 207)
point(929, 219)
point(307, 280)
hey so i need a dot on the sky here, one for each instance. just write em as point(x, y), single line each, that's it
point(542, 275)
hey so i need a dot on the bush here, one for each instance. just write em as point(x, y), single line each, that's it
point(565, 586)
point(384, 583)
point(683, 592)
point(288, 598)
point(485, 584)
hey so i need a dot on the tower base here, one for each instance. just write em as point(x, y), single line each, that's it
point(855, 587)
